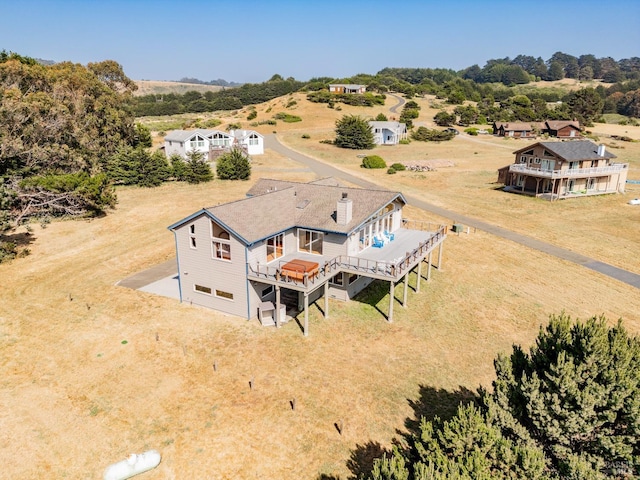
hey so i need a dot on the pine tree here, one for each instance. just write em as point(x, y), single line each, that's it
point(234, 165)
point(354, 132)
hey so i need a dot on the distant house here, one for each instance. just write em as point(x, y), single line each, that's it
point(289, 244)
point(561, 128)
point(513, 129)
point(388, 133)
point(559, 170)
point(347, 88)
point(212, 143)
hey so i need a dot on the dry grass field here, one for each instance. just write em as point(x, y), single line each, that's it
point(93, 372)
point(147, 87)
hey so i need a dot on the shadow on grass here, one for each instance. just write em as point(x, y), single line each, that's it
point(432, 402)
point(437, 402)
point(373, 294)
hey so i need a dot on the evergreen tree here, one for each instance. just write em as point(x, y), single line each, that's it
point(354, 132)
point(234, 165)
point(577, 395)
point(197, 170)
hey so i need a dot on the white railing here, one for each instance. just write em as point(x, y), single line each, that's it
point(572, 172)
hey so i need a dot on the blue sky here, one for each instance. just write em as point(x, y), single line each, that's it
point(249, 41)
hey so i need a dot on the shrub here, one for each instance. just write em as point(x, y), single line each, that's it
point(291, 103)
point(471, 131)
point(306, 136)
point(212, 122)
point(404, 141)
point(234, 126)
point(381, 117)
point(373, 161)
point(327, 142)
point(253, 114)
point(287, 117)
point(391, 171)
point(424, 134)
point(398, 167)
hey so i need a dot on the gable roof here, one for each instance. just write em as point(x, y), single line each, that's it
point(520, 126)
point(558, 124)
point(184, 135)
point(347, 85)
point(242, 134)
point(268, 185)
point(303, 205)
point(571, 151)
point(389, 125)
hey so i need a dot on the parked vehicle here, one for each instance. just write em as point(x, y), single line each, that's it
point(453, 130)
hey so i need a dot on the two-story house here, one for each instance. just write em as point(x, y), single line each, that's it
point(288, 244)
point(212, 143)
point(388, 133)
point(559, 170)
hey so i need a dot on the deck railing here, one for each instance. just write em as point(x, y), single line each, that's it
point(571, 172)
point(391, 269)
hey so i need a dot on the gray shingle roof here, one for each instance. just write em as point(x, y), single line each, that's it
point(573, 150)
point(183, 135)
point(389, 125)
point(303, 205)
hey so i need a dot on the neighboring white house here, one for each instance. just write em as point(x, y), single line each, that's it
point(212, 142)
point(388, 133)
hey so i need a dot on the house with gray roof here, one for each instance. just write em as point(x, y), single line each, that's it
point(289, 244)
point(566, 169)
point(212, 143)
point(388, 132)
point(513, 129)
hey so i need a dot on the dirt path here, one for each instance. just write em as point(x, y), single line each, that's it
point(324, 170)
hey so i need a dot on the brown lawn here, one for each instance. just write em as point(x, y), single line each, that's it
point(93, 371)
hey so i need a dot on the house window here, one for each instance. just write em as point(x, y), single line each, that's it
point(192, 236)
point(520, 181)
point(221, 250)
point(310, 241)
point(197, 142)
point(523, 159)
point(220, 244)
point(536, 161)
point(275, 247)
point(594, 163)
point(253, 140)
point(202, 289)
point(571, 185)
point(220, 140)
point(337, 280)
point(547, 185)
point(574, 165)
point(353, 277)
point(266, 292)
point(591, 184)
point(223, 294)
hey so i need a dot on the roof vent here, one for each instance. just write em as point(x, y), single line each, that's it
point(303, 204)
point(344, 195)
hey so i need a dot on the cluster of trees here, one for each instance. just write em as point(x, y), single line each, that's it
point(227, 99)
point(366, 99)
point(219, 82)
point(59, 125)
point(569, 408)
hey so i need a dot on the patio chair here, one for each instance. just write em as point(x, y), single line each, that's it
point(378, 242)
point(389, 235)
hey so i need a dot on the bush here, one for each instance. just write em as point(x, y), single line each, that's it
point(373, 161)
point(291, 103)
point(471, 131)
point(424, 134)
point(306, 136)
point(404, 141)
point(286, 117)
point(391, 171)
point(234, 126)
point(327, 142)
point(252, 115)
point(398, 167)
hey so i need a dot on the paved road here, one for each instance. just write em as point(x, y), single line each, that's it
point(325, 170)
point(401, 101)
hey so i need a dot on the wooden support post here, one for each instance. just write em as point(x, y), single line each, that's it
point(405, 289)
point(429, 266)
point(391, 298)
point(277, 312)
point(419, 276)
point(306, 314)
point(440, 256)
point(326, 300)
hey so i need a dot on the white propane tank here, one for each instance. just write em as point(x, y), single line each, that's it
point(135, 464)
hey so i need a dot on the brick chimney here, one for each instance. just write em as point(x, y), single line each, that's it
point(344, 210)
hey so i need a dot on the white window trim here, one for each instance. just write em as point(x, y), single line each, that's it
point(215, 294)
point(221, 241)
point(309, 251)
